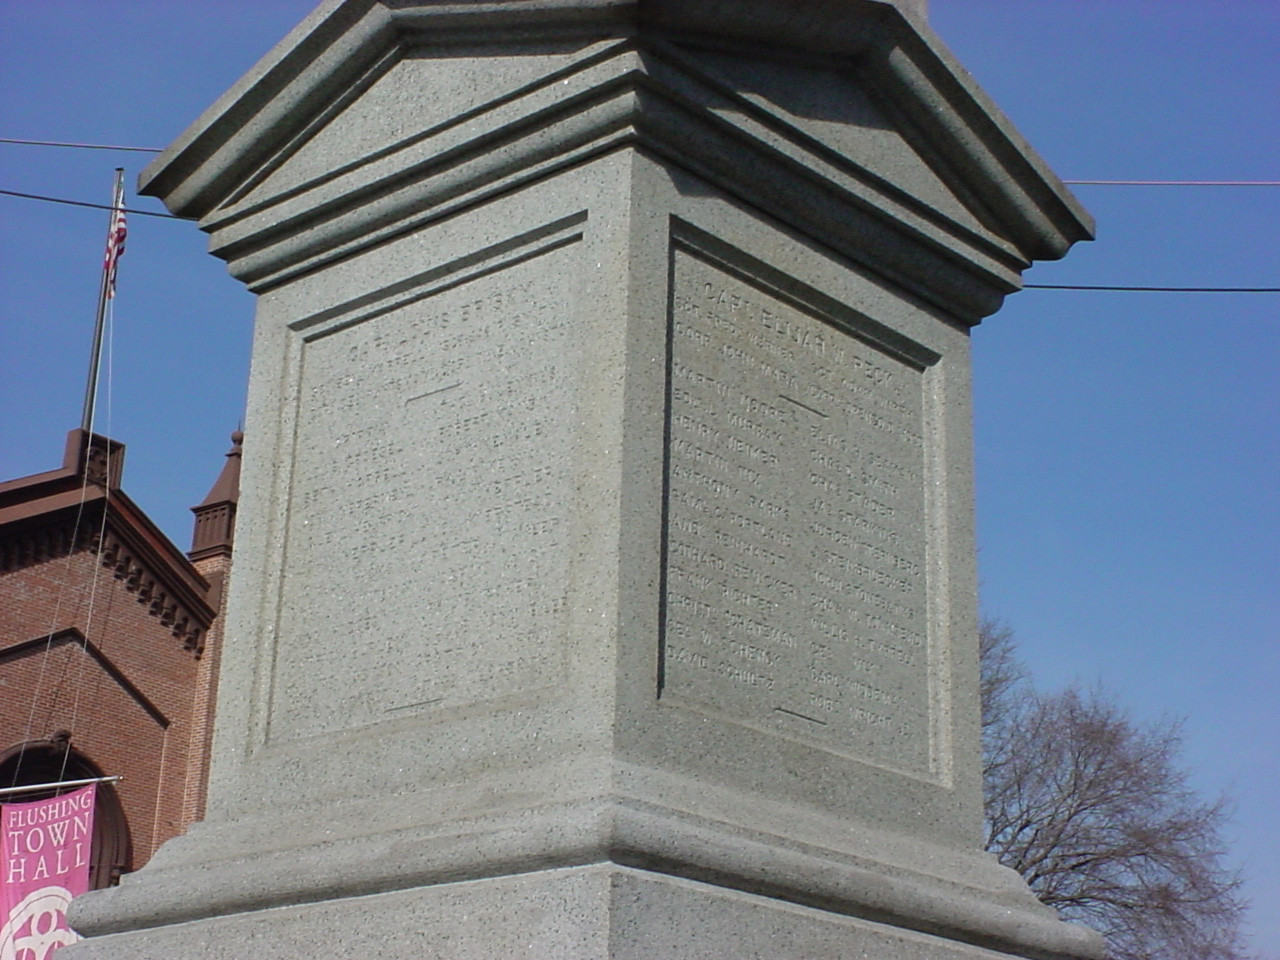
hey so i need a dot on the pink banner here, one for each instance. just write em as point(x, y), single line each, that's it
point(44, 862)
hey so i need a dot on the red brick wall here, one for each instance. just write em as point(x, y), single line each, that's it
point(205, 693)
point(66, 689)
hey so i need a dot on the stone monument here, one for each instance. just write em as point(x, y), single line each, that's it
point(604, 584)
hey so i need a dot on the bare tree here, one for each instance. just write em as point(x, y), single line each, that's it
point(1096, 814)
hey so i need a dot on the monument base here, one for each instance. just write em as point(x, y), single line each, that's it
point(574, 913)
point(704, 874)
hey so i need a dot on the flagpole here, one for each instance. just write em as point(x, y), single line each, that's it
point(105, 290)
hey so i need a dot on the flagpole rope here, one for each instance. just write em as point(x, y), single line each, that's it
point(101, 546)
point(53, 628)
point(63, 586)
point(105, 323)
point(115, 242)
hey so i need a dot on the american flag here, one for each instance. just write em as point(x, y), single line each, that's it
point(116, 233)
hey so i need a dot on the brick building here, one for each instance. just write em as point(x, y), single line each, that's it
point(109, 640)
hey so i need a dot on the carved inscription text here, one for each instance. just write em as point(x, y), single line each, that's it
point(795, 545)
point(426, 541)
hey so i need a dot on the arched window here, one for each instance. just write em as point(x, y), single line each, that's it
point(53, 761)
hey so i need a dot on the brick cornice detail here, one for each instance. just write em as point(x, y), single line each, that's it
point(170, 599)
point(41, 544)
point(158, 597)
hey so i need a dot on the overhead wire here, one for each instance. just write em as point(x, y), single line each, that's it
point(1173, 183)
point(1028, 286)
point(80, 146)
point(85, 203)
point(1092, 183)
point(1106, 287)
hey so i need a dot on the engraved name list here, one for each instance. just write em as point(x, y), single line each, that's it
point(795, 567)
point(448, 448)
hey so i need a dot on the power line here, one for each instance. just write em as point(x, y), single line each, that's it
point(82, 203)
point(80, 146)
point(1027, 286)
point(1072, 286)
point(1173, 183)
point(1091, 183)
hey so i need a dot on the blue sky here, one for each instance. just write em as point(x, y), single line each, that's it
point(1127, 454)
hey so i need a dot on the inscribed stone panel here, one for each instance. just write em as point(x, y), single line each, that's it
point(426, 560)
point(795, 568)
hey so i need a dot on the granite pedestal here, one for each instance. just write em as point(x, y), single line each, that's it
point(604, 584)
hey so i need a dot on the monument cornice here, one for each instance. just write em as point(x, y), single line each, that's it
point(634, 81)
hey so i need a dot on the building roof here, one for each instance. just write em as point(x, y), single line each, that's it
point(216, 514)
point(80, 506)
